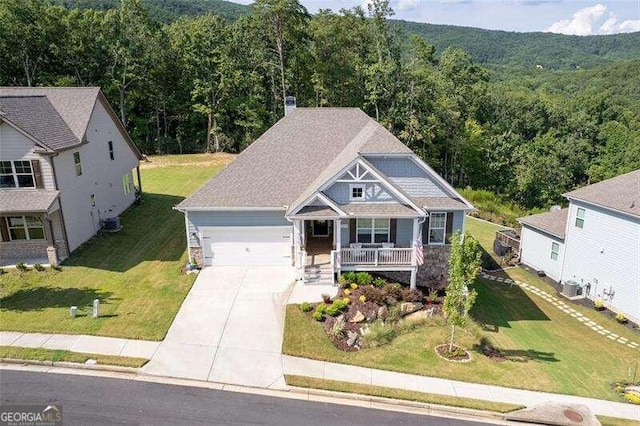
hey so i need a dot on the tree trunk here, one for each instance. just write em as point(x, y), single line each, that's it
point(216, 138)
point(122, 117)
point(453, 329)
point(209, 126)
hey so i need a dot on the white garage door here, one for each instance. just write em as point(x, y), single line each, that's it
point(260, 245)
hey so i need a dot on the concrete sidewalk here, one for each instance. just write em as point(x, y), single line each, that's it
point(370, 376)
point(81, 343)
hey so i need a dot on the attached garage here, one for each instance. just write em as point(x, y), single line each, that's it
point(264, 245)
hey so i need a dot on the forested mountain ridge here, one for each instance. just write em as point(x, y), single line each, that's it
point(555, 51)
point(206, 84)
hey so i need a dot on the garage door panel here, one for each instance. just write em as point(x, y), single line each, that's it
point(243, 246)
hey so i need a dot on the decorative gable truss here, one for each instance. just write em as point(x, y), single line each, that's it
point(357, 173)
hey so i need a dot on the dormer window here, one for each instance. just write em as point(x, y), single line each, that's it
point(356, 192)
point(16, 174)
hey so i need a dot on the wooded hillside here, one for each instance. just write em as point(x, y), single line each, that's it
point(205, 84)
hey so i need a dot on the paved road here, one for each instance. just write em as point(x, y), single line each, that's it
point(92, 400)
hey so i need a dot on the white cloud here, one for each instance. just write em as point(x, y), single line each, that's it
point(588, 21)
point(406, 4)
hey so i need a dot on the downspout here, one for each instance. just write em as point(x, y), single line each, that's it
point(55, 183)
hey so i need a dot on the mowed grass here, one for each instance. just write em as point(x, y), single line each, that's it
point(51, 355)
point(136, 273)
point(545, 348)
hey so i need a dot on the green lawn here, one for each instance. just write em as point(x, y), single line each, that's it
point(40, 354)
point(546, 349)
point(136, 273)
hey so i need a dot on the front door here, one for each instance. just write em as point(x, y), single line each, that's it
point(321, 228)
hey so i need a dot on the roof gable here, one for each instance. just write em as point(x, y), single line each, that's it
point(621, 193)
point(553, 222)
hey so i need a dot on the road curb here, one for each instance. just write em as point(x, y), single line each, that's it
point(434, 409)
point(66, 364)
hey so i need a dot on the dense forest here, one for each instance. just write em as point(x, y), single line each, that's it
point(205, 83)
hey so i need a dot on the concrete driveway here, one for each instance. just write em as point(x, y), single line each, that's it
point(229, 328)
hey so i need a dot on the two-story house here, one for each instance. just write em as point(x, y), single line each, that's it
point(327, 190)
point(66, 164)
point(594, 242)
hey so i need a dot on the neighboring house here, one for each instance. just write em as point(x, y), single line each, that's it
point(326, 190)
point(594, 242)
point(66, 164)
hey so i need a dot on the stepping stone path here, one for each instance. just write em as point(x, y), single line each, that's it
point(562, 306)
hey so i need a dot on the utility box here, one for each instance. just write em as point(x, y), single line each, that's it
point(96, 308)
point(570, 288)
point(73, 311)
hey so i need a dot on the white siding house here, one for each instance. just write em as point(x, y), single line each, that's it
point(66, 164)
point(598, 242)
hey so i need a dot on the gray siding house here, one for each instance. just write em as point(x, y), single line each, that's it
point(66, 164)
point(327, 190)
point(595, 242)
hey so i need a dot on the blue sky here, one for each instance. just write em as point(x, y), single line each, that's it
point(582, 17)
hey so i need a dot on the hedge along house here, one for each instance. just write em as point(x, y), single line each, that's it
point(326, 190)
point(66, 164)
point(594, 242)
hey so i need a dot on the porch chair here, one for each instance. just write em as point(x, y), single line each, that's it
point(358, 253)
point(386, 254)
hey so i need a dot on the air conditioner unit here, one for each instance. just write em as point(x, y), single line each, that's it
point(570, 288)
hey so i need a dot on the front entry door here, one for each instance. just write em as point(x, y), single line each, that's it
point(321, 228)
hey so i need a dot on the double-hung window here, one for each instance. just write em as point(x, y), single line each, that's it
point(437, 227)
point(25, 228)
point(555, 251)
point(580, 218)
point(16, 174)
point(373, 231)
point(77, 163)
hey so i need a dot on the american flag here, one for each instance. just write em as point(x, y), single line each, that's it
point(419, 251)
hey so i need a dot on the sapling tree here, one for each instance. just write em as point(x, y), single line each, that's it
point(464, 263)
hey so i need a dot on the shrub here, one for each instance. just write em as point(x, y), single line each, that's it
point(620, 317)
point(317, 316)
point(412, 295)
point(632, 398)
point(379, 282)
point(56, 268)
point(392, 291)
point(335, 308)
point(2, 271)
point(433, 295)
point(346, 300)
point(342, 281)
point(306, 307)
point(373, 294)
point(346, 292)
point(377, 334)
point(350, 277)
point(362, 298)
point(20, 266)
point(598, 303)
point(363, 278)
point(38, 267)
point(337, 328)
point(321, 308)
point(354, 286)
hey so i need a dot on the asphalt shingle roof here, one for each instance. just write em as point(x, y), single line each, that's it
point(290, 160)
point(37, 116)
point(434, 203)
point(553, 222)
point(620, 193)
point(24, 201)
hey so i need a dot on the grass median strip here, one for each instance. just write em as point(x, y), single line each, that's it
point(55, 355)
point(384, 392)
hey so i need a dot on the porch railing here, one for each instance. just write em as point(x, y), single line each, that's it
point(375, 256)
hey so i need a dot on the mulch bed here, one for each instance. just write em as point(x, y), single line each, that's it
point(443, 352)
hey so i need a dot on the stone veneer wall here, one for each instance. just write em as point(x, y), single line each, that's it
point(432, 273)
point(199, 256)
point(23, 249)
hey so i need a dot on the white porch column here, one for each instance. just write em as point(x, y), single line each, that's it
point(414, 260)
point(337, 231)
point(297, 242)
point(414, 275)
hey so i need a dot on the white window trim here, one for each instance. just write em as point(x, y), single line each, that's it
point(556, 252)
point(15, 175)
point(372, 230)
point(78, 165)
point(355, 186)
point(26, 229)
point(444, 229)
point(575, 223)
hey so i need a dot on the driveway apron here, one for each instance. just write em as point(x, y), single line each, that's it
point(229, 328)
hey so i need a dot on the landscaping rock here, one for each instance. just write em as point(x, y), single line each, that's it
point(383, 311)
point(409, 307)
point(358, 317)
point(352, 338)
point(419, 316)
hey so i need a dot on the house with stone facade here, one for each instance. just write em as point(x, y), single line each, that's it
point(327, 190)
point(66, 165)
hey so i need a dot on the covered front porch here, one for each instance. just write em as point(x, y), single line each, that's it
point(330, 246)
